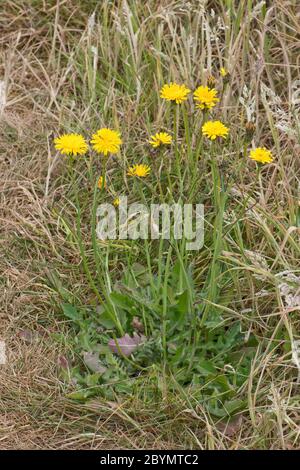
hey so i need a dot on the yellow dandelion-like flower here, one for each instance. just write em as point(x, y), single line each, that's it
point(174, 92)
point(261, 154)
point(71, 144)
point(116, 202)
point(223, 72)
point(101, 183)
point(106, 141)
point(161, 138)
point(205, 97)
point(214, 129)
point(139, 170)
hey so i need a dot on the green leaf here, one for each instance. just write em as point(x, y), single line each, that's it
point(183, 304)
point(71, 312)
point(105, 318)
point(206, 367)
point(138, 269)
point(233, 406)
point(80, 395)
point(122, 300)
point(227, 409)
point(223, 383)
point(179, 313)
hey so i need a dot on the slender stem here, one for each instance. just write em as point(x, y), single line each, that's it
point(79, 235)
point(177, 156)
point(165, 304)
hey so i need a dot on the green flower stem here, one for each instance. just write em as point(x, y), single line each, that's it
point(220, 199)
point(98, 261)
point(165, 304)
point(177, 156)
point(79, 236)
point(187, 135)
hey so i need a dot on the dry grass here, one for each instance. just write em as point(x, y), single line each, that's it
point(50, 80)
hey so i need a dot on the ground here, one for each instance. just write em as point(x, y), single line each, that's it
point(71, 65)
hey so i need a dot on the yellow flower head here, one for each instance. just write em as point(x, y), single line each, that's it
point(71, 144)
point(214, 129)
point(223, 72)
point(106, 141)
point(174, 92)
point(101, 183)
point(261, 154)
point(139, 170)
point(161, 138)
point(205, 97)
point(116, 202)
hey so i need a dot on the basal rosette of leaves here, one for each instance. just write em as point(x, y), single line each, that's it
point(213, 360)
